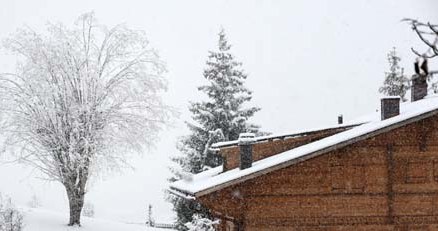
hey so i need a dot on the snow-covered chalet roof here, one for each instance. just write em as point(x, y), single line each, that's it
point(215, 179)
point(291, 134)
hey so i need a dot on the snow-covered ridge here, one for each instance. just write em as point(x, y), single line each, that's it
point(214, 179)
point(294, 134)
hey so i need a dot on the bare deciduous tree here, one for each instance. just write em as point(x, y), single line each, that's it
point(80, 101)
point(428, 33)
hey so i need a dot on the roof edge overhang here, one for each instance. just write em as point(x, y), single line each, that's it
point(181, 193)
point(316, 153)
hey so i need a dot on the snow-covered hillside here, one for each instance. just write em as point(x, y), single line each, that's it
point(44, 220)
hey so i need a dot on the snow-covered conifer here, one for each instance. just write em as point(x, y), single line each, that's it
point(396, 83)
point(222, 117)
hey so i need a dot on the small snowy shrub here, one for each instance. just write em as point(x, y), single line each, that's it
point(10, 218)
point(200, 223)
point(88, 210)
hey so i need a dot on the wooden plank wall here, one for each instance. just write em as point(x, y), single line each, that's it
point(388, 182)
point(269, 148)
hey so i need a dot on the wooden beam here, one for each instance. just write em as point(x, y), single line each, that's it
point(390, 181)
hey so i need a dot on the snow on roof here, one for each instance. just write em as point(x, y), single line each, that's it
point(293, 134)
point(214, 179)
point(391, 97)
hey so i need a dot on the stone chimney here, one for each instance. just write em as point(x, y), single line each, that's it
point(340, 119)
point(245, 143)
point(390, 107)
point(419, 87)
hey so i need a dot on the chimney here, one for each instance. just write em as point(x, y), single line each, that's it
point(390, 107)
point(419, 80)
point(245, 143)
point(340, 119)
point(419, 87)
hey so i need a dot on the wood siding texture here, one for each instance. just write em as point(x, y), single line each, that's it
point(387, 182)
point(272, 147)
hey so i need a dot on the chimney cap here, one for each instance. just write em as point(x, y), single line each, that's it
point(416, 76)
point(390, 97)
point(246, 138)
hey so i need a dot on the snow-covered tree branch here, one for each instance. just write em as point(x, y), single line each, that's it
point(11, 219)
point(396, 83)
point(200, 223)
point(221, 117)
point(81, 100)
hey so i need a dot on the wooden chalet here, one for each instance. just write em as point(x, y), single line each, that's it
point(380, 173)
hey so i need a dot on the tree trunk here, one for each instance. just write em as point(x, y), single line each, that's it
point(76, 203)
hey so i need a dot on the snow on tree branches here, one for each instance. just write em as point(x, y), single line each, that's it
point(10, 218)
point(396, 83)
point(199, 223)
point(221, 117)
point(81, 101)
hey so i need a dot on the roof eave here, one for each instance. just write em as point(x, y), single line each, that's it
point(181, 193)
point(316, 153)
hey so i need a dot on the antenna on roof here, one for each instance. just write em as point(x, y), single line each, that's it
point(340, 119)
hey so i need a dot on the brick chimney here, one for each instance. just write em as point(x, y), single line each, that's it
point(419, 80)
point(390, 107)
point(245, 144)
point(419, 87)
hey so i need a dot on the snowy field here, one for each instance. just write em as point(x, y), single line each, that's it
point(45, 220)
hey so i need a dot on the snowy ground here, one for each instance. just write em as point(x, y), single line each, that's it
point(45, 220)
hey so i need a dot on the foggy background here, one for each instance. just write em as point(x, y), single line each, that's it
point(307, 61)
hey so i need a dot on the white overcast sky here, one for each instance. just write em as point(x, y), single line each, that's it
point(307, 61)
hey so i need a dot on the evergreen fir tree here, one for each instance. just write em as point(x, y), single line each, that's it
point(396, 83)
point(220, 118)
